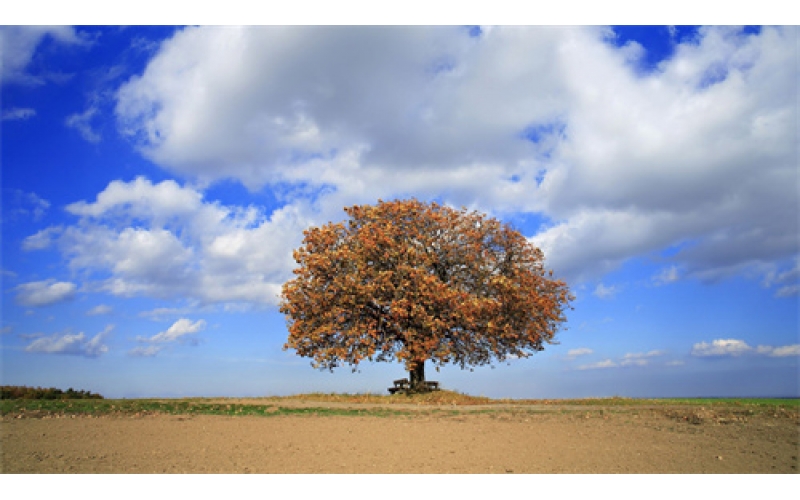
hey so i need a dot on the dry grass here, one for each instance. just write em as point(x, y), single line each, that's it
point(430, 398)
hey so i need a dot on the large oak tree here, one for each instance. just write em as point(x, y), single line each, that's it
point(414, 281)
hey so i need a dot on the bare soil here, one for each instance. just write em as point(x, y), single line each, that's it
point(507, 439)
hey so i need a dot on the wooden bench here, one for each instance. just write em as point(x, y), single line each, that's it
point(403, 385)
point(432, 386)
point(400, 385)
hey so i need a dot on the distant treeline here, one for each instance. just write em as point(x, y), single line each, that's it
point(21, 392)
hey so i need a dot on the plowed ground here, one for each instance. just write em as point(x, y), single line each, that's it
point(521, 440)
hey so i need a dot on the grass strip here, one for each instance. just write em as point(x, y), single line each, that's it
point(175, 407)
point(445, 405)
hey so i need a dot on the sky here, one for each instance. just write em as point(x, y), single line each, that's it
point(156, 179)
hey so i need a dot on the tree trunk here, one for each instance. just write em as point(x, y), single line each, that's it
point(416, 377)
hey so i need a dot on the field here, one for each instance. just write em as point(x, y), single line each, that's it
point(442, 432)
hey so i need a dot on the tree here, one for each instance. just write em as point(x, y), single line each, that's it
point(415, 282)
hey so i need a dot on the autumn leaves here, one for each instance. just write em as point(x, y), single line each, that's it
point(414, 281)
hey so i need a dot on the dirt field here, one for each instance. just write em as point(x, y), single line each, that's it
point(503, 440)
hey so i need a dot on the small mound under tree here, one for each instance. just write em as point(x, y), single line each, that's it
point(414, 281)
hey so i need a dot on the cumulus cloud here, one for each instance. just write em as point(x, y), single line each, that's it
point(721, 347)
point(18, 44)
point(41, 240)
point(779, 352)
point(707, 190)
point(667, 275)
point(161, 313)
point(140, 198)
point(72, 344)
point(99, 310)
point(628, 360)
point(145, 351)
point(599, 365)
point(164, 240)
point(179, 331)
point(297, 95)
point(44, 293)
point(639, 358)
point(182, 331)
point(581, 351)
point(734, 347)
point(697, 154)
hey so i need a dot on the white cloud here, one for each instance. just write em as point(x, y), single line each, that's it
point(146, 352)
point(37, 206)
point(44, 293)
point(165, 241)
point(788, 291)
point(161, 313)
point(700, 151)
point(22, 204)
point(73, 344)
point(733, 347)
point(99, 310)
point(629, 359)
point(140, 198)
point(605, 238)
point(82, 122)
point(581, 351)
point(182, 331)
point(605, 292)
point(667, 275)
point(18, 114)
point(788, 350)
point(17, 47)
point(640, 355)
point(622, 164)
point(294, 95)
point(41, 240)
point(177, 332)
point(639, 358)
point(599, 365)
point(635, 362)
point(787, 281)
point(721, 347)
point(779, 352)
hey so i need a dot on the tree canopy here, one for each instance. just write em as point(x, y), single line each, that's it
point(413, 281)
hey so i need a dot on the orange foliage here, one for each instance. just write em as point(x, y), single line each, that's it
point(413, 281)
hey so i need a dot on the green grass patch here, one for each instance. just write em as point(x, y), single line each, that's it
point(440, 403)
point(39, 408)
point(619, 401)
point(761, 402)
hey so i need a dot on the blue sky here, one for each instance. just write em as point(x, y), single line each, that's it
point(156, 179)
